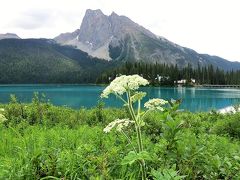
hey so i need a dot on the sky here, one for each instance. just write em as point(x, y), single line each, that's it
point(207, 26)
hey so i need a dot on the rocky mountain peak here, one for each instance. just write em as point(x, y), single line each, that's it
point(99, 31)
point(95, 29)
point(90, 12)
point(114, 14)
point(117, 37)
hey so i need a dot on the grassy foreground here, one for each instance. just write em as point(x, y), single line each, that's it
point(42, 141)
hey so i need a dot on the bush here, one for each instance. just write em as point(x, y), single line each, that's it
point(229, 125)
point(39, 140)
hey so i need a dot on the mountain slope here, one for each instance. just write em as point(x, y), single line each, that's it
point(44, 61)
point(9, 36)
point(118, 38)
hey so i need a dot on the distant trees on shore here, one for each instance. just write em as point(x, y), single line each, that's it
point(170, 73)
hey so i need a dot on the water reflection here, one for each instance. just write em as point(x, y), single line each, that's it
point(76, 96)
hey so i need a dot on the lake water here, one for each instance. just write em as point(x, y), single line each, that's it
point(76, 96)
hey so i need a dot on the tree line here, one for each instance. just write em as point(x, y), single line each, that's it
point(170, 73)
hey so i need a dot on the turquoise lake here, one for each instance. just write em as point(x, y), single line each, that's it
point(76, 96)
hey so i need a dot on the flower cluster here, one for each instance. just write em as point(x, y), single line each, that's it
point(123, 83)
point(155, 104)
point(118, 123)
point(2, 117)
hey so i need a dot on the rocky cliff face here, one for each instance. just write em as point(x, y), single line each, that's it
point(9, 36)
point(98, 32)
point(118, 38)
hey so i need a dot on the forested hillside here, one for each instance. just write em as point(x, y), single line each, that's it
point(162, 74)
point(44, 61)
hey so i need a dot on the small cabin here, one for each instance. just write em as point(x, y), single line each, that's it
point(184, 81)
point(161, 78)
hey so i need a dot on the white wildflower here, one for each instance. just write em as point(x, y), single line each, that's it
point(123, 83)
point(155, 104)
point(119, 127)
point(2, 118)
point(118, 123)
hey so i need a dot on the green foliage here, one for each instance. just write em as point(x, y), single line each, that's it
point(132, 157)
point(228, 125)
point(171, 73)
point(166, 174)
point(39, 140)
point(44, 61)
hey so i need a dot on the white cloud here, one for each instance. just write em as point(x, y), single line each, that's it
point(207, 26)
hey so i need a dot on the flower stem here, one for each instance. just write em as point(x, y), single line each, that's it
point(120, 98)
point(129, 140)
point(138, 131)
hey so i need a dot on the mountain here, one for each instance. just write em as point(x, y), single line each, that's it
point(99, 31)
point(45, 61)
point(118, 38)
point(9, 36)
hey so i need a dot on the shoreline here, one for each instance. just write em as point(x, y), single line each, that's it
point(228, 110)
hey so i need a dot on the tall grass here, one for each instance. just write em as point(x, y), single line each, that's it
point(41, 141)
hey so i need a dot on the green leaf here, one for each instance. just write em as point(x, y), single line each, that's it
point(142, 123)
point(236, 157)
point(169, 117)
point(144, 155)
point(166, 174)
point(133, 156)
point(130, 158)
